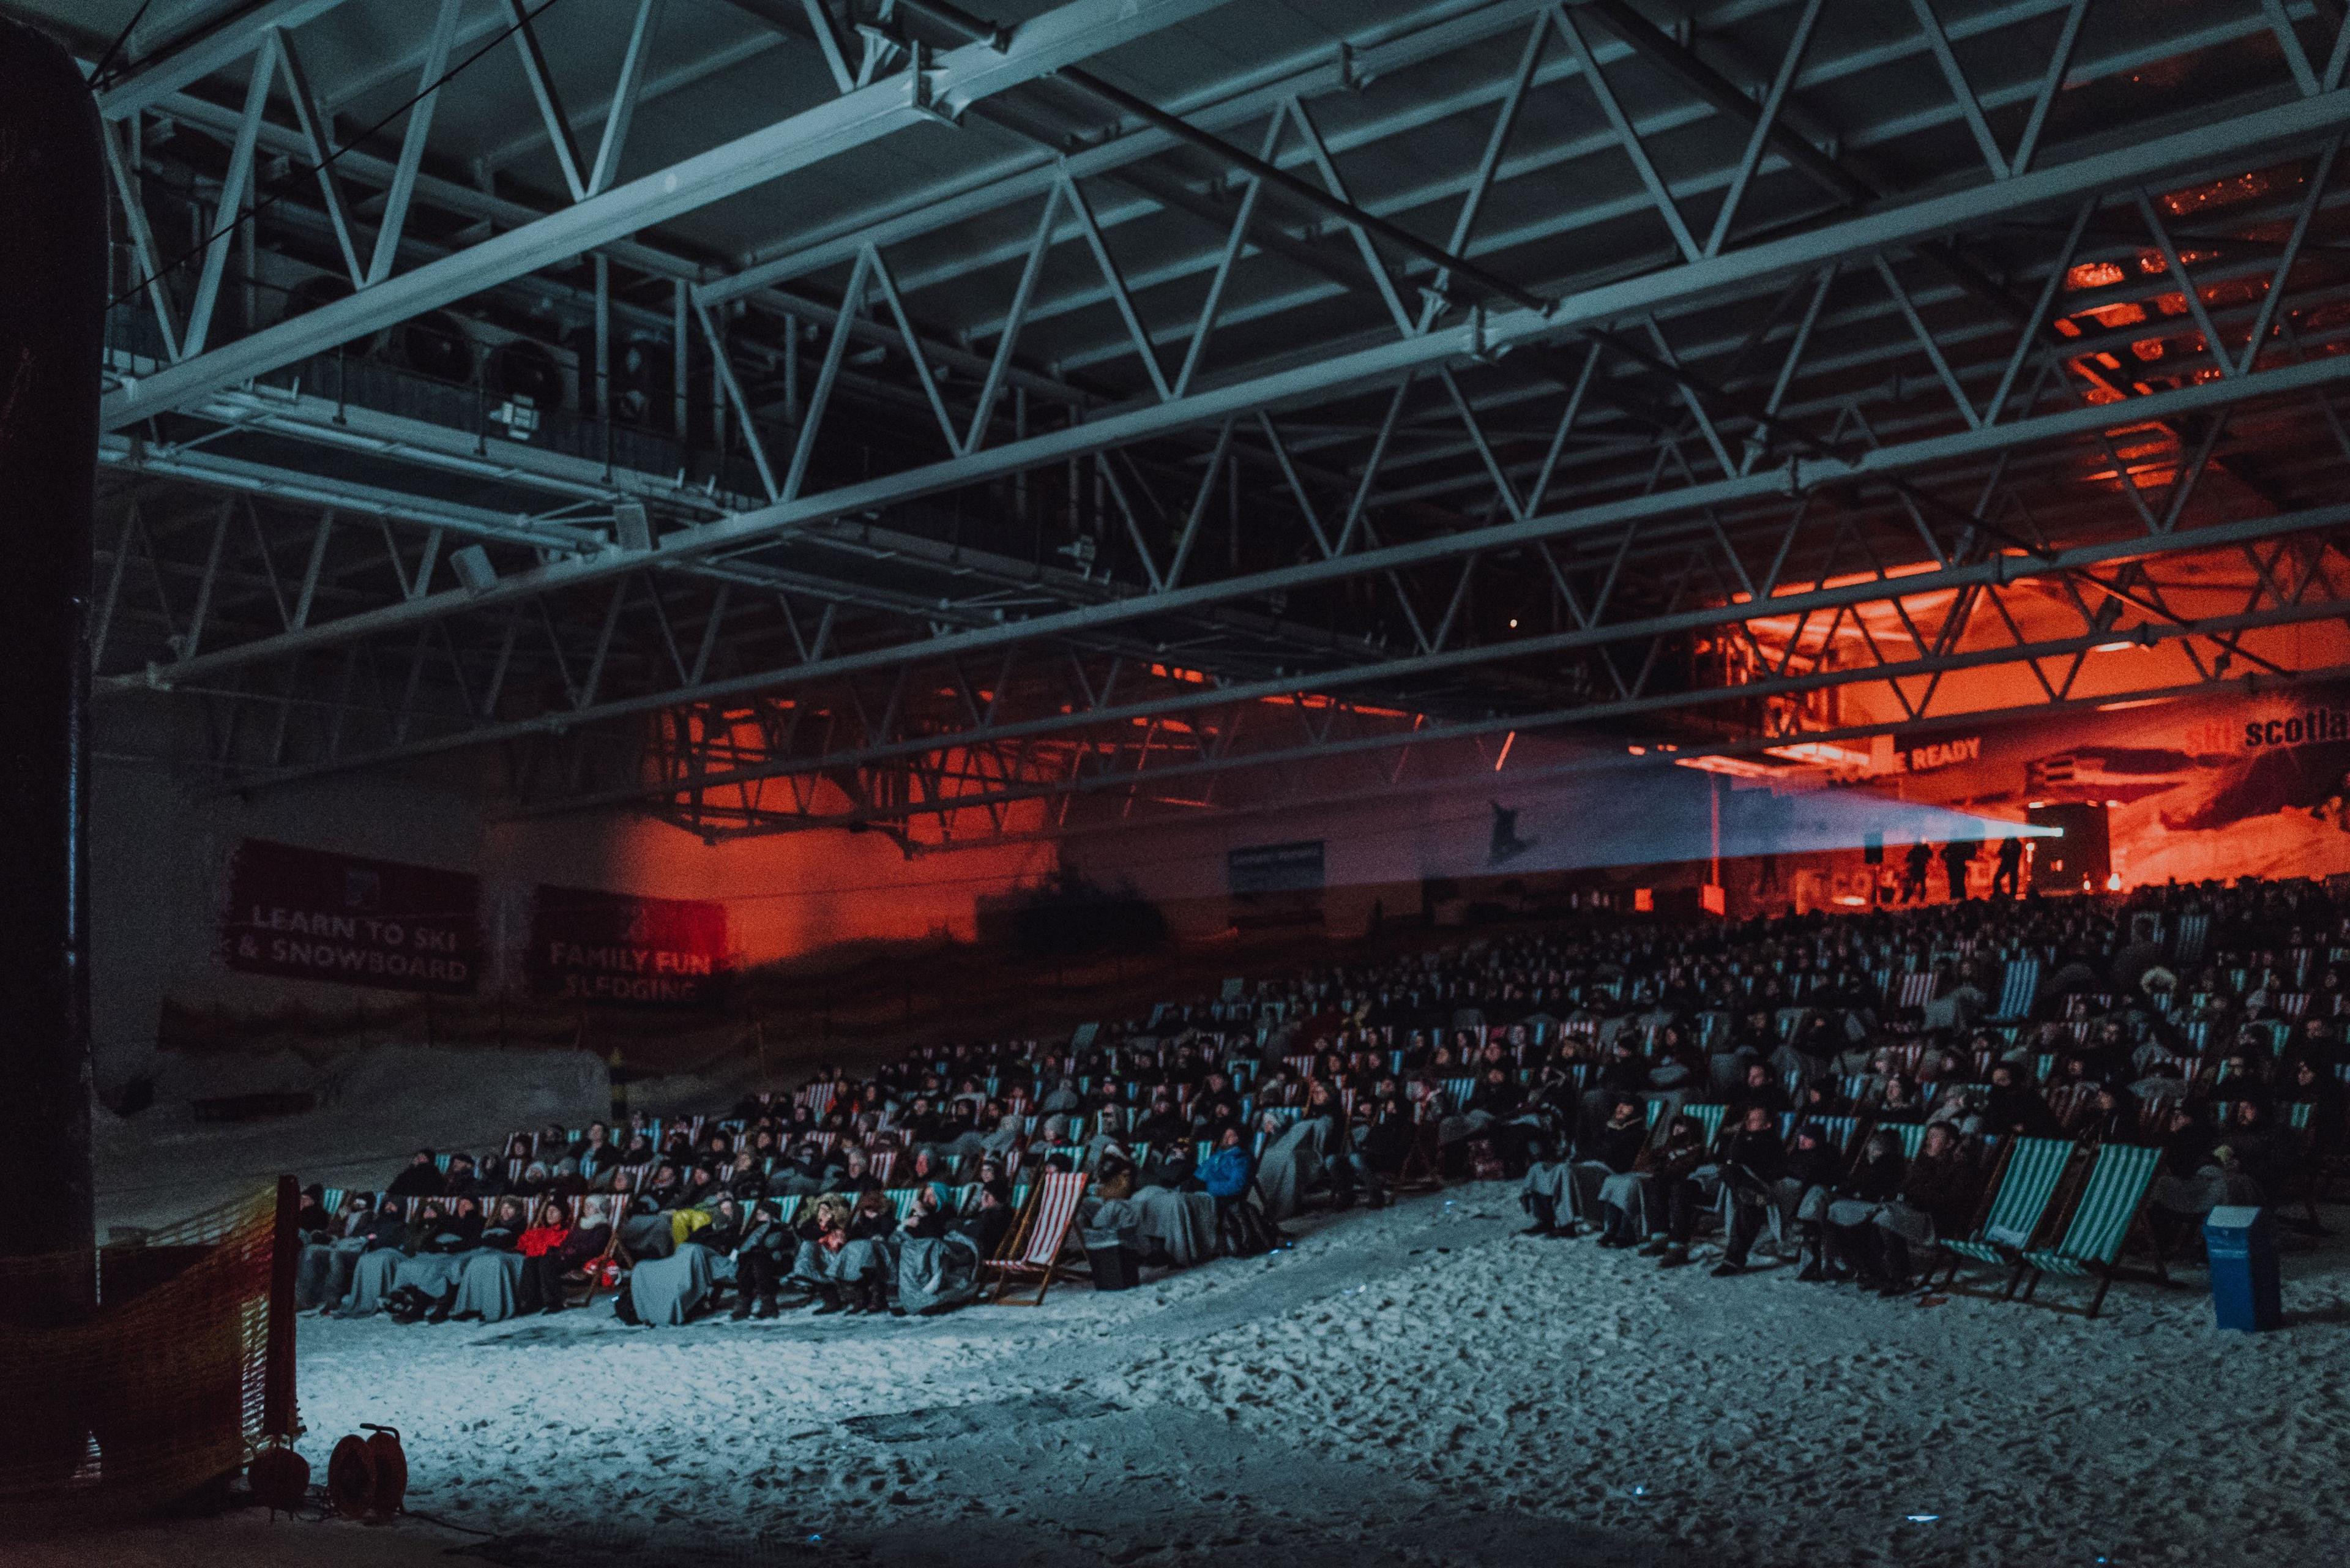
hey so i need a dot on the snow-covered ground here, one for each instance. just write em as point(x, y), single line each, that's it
point(1419, 1386)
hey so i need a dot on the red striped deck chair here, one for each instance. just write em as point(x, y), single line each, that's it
point(883, 1159)
point(1917, 990)
point(1301, 1066)
point(818, 1097)
point(1032, 1253)
point(596, 1209)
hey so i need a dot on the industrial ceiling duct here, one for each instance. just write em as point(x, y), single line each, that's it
point(641, 378)
point(434, 344)
point(522, 368)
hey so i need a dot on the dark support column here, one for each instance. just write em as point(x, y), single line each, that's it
point(53, 280)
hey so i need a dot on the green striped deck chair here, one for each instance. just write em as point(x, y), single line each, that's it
point(2027, 1179)
point(2310, 1173)
point(2017, 988)
point(2111, 1202)
point(1841, 1131)
point(901, 1198)
point(1708, 1117)
point(1911, 1133)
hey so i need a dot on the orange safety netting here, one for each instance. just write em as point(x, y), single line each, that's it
point(138, 1374)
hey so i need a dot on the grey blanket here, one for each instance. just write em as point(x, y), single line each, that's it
point(666, 1291)
point(935, 1274)
point(488, 1284)
point(1291, 1163)
point(1160, 1219)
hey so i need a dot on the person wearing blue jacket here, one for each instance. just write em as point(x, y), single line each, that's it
point(1228, 1173)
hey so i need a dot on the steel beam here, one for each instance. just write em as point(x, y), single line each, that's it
point(1074, 31)
point(1995, 571)
point(1590, 713)
point(1480, 780)
point(1461, 343)
point(216, 47)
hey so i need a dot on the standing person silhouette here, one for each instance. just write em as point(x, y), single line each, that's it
point(1956, 856)
point(1913, 873)
point(2009, 873)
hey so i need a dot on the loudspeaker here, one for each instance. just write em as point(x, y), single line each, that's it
point(634, 529)
point(474, 569)
point(1115, 1267)
point(2080, 861)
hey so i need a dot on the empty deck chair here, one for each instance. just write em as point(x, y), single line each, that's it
point(2028, 1178)
point(2016, 992)
point(2193, 932)
point(2111, 1205)
point(1032, 1252)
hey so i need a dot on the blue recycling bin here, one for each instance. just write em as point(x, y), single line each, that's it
point(2242, 1245)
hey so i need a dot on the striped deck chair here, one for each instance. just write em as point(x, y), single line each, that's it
point(1032, 1253)
point(1917, 990)
point(2027, 1181)
point(1457, 1090)
point(2016, 992)
point(2194, 930)
point(2111, 1205)
point(901, 1198)
point(1709, 1117)
point(1911, 1133)
point(1301, 1066)
point(1842, 1131)
point(2070, 1102)
point(818, 1097)
point(441, 1162)
point(581, 1285)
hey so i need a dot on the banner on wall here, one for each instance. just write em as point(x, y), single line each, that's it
point(586, 945)
point(1276, 867)
point(309, 914)
point(2256, 785)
